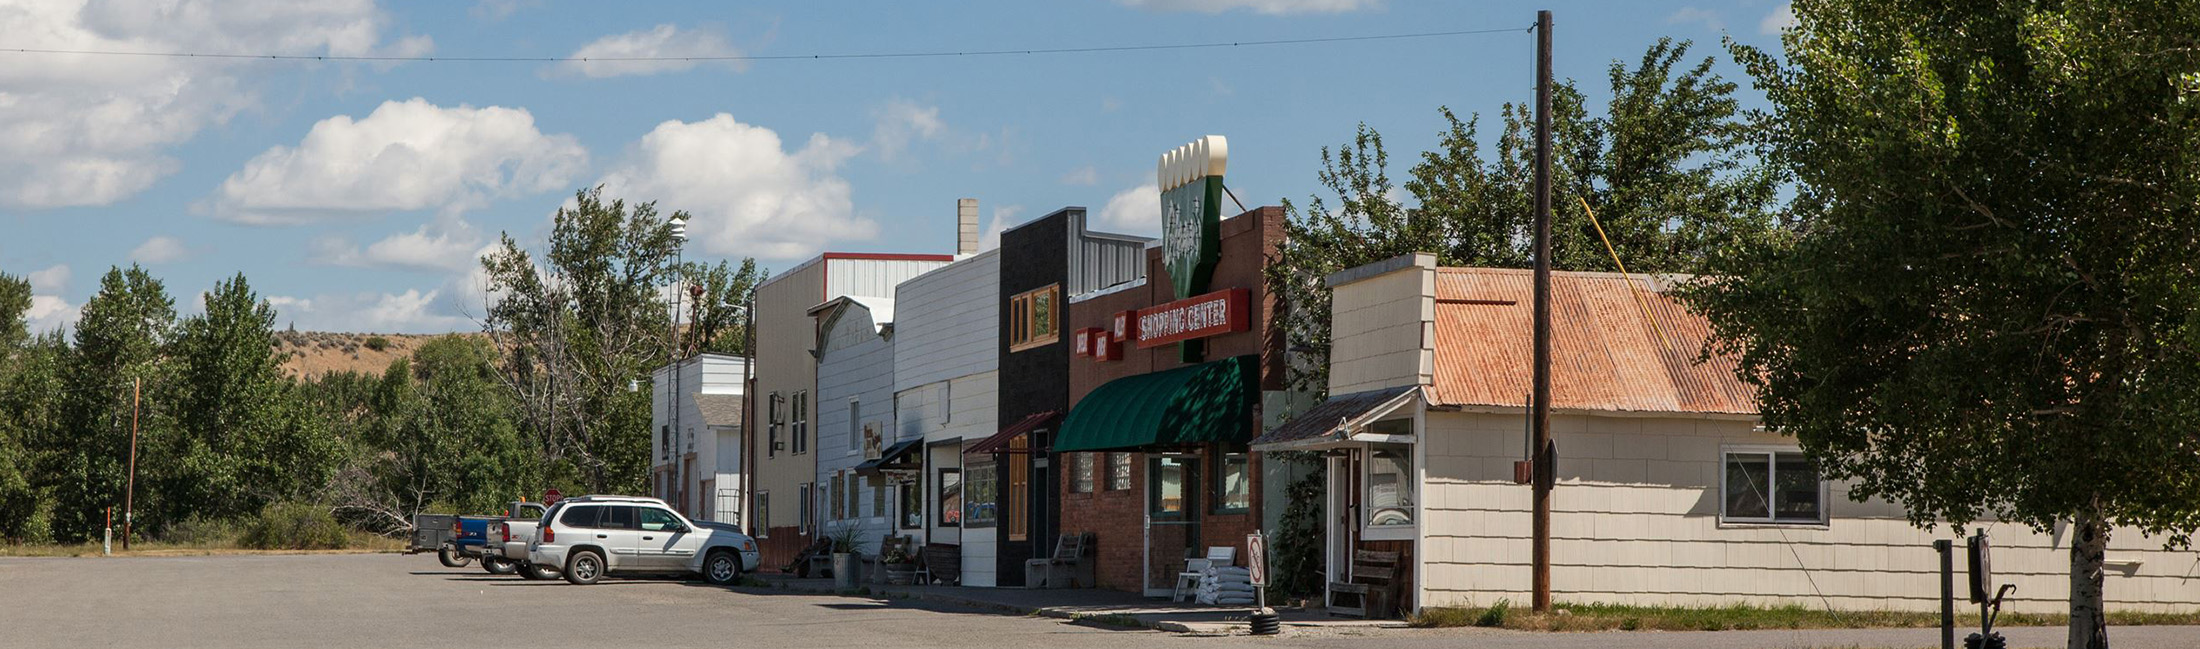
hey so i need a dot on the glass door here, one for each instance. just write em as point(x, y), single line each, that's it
point(1172, 520)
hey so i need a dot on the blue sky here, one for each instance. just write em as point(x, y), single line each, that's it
point(356, 195)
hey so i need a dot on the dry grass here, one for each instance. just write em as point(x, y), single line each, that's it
point(358, 543)
point(1607, 617)
point(314, 353)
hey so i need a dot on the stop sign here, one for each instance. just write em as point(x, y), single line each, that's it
point(551, 497)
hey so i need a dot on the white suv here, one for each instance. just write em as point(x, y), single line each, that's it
point(588, 537)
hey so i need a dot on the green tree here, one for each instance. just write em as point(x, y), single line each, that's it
point(442, 431)
point(714, 321)
point(28, 382)
point(242, 437)
point(119, 338)
point(1987, 306)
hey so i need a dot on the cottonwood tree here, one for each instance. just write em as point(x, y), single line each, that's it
point(1988, 306)
point(118, 338)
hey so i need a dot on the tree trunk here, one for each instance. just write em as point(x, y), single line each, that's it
point(2088, 616)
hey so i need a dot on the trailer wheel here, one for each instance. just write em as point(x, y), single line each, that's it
point(448, 554)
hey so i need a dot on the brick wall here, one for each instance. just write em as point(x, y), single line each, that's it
point(1117, 517)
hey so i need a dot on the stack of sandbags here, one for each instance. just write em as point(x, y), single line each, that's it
point(1226, 586)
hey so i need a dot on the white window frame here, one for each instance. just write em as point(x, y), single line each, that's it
point(1412, 478)
point(1771, 453)
point(855, 425)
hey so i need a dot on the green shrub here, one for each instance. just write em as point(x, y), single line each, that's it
point(1495, 614)
point(378, 343)
point(295, 526)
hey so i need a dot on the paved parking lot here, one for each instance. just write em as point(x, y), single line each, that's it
point(399, 601)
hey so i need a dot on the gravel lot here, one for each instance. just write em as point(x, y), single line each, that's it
point(399, 601)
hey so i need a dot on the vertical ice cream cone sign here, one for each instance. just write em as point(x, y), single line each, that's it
point(1190, 178)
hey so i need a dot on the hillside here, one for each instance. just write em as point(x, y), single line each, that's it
point(314, 353)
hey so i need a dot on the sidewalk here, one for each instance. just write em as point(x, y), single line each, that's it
point(1104, 606)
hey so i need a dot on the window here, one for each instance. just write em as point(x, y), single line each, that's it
point(1017, 489)
point(947, 402)
point(912, 505)
point(853, 494)
point(1170, 499)
point(1234, 485)
point(1119, 471)
point(839, 505)
point(1031, 318)
point(855, 424)
point(664, 435)
point(762, 528)
point(981, 494)
point(1390, 480)
point(1772, 487)
point(1081, 472)
point(617, 517)
point(878, 496)
point(950, 498)
point(657, 520)
point(583, 516)
point(801, 425)
point(778, 419)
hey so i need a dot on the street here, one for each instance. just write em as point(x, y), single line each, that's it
point(382, 600)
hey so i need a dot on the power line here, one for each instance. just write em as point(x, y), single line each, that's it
point(758, 57)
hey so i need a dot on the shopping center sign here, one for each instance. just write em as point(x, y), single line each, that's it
point(1192, 318)
point(1190, 178)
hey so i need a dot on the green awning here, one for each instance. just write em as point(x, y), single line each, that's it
point(1206, 403)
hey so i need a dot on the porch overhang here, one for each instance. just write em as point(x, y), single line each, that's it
point(901, 457)
point(1341, 420)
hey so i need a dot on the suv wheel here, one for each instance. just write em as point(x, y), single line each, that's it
point(584, 567)
point(722, 568)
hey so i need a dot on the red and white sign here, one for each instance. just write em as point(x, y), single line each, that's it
point(1200, 316)
point(552, 497)
point(1103, 347)
point(1126, 326)
point(1083, 347)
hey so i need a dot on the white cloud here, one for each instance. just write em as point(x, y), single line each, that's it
point(160, 250)
point(85, 129)
point(1781, 18)
point(665, 41)
point(1269, 7)
point(406, 155)
point(1134, 211)
point(1003, 216)
point(495, 10)
point(412, 311)
point(902, 121)
point(1085, 175)
point(52, 279)
point(443, 245)
point(748, 193)
point(1709, 19)
point(48, 313)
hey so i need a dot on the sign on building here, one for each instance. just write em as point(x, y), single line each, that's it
point(1191, 201)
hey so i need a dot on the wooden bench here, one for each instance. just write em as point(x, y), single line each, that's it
point(1070, 567)
point(1372, 589)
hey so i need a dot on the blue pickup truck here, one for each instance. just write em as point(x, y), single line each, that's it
point(470, 536)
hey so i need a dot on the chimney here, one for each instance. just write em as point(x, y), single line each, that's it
point(966, 226)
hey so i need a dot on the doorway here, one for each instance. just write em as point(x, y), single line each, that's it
point(1172, 519)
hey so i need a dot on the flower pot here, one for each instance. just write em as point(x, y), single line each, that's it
point(900, 574)
point(845, 570)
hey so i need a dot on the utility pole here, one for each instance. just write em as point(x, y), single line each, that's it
point(1546, 461)
point(129, 491)
point(748, 414)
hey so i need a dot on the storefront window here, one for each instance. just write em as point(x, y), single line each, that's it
point(1234, 485)
point(1081, 472)
point(1119, 471)
point(951, 498)
point(982, 493)
point(1390, 497)
point(1168, 494)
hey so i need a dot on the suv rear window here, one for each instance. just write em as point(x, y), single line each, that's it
point(581, 516)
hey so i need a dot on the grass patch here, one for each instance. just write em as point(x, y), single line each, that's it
point(1612, 617)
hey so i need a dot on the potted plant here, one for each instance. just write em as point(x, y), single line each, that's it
point(845, 566)
point(901, 569)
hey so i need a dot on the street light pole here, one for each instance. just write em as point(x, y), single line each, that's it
point(672, 401)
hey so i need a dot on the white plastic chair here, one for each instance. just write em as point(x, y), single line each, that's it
point(1195, 570)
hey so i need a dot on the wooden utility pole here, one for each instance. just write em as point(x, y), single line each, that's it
point(1546, 461)
point(129, 490)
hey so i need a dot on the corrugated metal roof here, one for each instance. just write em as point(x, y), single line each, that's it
point(1605, 354)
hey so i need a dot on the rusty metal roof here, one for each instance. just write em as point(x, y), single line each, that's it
point(1605, 354)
